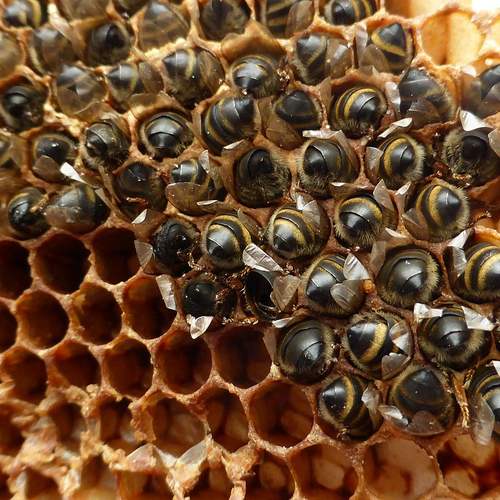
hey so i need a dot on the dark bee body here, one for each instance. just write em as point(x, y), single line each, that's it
point(162, 24)
point(417, 84)
point(403, 159)
point(275, 16)
point(224, 239)
point(360, 219)
point(22, 107)
point(202, 296)
point(449, 341)
point(422, 388)
point(319, 279)
point(24, 13)
point(173, 246)
point(258, 290)
point(408, 275)
point(347, 12)
point(60, 148)
point(482, 96)
point(221, 17)
point(292, 236)
point(77, 209)
point(26, 213)
point(105, 144)
point(256, 74)
point(469, 154)
point(486, 383)
point(300, 110)
point(166, 135)
point(323, 162)
point(260, 178)
point(340, 404)
point(227, 121)
point(6, 160)
point(444, 208)
point(306, 351)
point(367, 342)
point(358, 110)
point(480, 281)
point(318, 56)
point(108, 44)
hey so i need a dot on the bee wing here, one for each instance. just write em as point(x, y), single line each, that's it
point(211, 69)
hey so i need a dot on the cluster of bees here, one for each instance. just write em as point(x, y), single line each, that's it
point(341, 164)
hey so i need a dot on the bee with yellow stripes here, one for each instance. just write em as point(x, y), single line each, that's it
point(347, 12)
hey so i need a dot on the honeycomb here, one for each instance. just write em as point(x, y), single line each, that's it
point(112, 386)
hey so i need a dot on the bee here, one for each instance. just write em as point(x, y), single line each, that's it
point(24, 13)
point(275, 15)
point(480, 280)
point(108, 44)
point(221, 17)
point(186, 65)
point(11, 54)
point(416, 84)
point(256, 74)
point(260, 177)
point(403, 159)
point(358, 110)
point(292, 236)
point(323, 161)
point(227, 121)
point(422, 388)
point(448, 340)
point(105, 144)
point(469, 154)
point(408, 275)
point(202, 296)
point(77, 209)
point(166, 135)
point(223, 241)
point(359, 220)
point(347, 12)
point(486, 383)
point(367, 342)
point(6, 153)
point(161, 24)
point(26, 213)
point(307, 350)
point(50, 50)
point(395, 44)
point(326, 272)
point(318, 56)
point(173, 245)
point(22, 107)
point(258, 290)
point(300, 110)
point(140, 186)
point(341, 404)
point(444, 210)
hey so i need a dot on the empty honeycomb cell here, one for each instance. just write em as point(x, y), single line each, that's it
point(62, 263)
point(226, 418)
point(8, 327)
point(416, 8)
point(69, 423)
point(137, 486)
point(443, 40)
point(242, 357)
point(77, 365)
point(43, 319)
point(281, 414)
point(145, 309)
point(28, 374)
point(37, 486)
point(129, 368)
point(213, 484)
point(11, 438)
point(183, 363)
point(15, 272)
point(115, 425)
point(115, 256)
point(98, 314)
point(398, 469)
point(175, 428)
point(471, 469)
point(270, 480)
point(323, 471)
point(96, 481)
